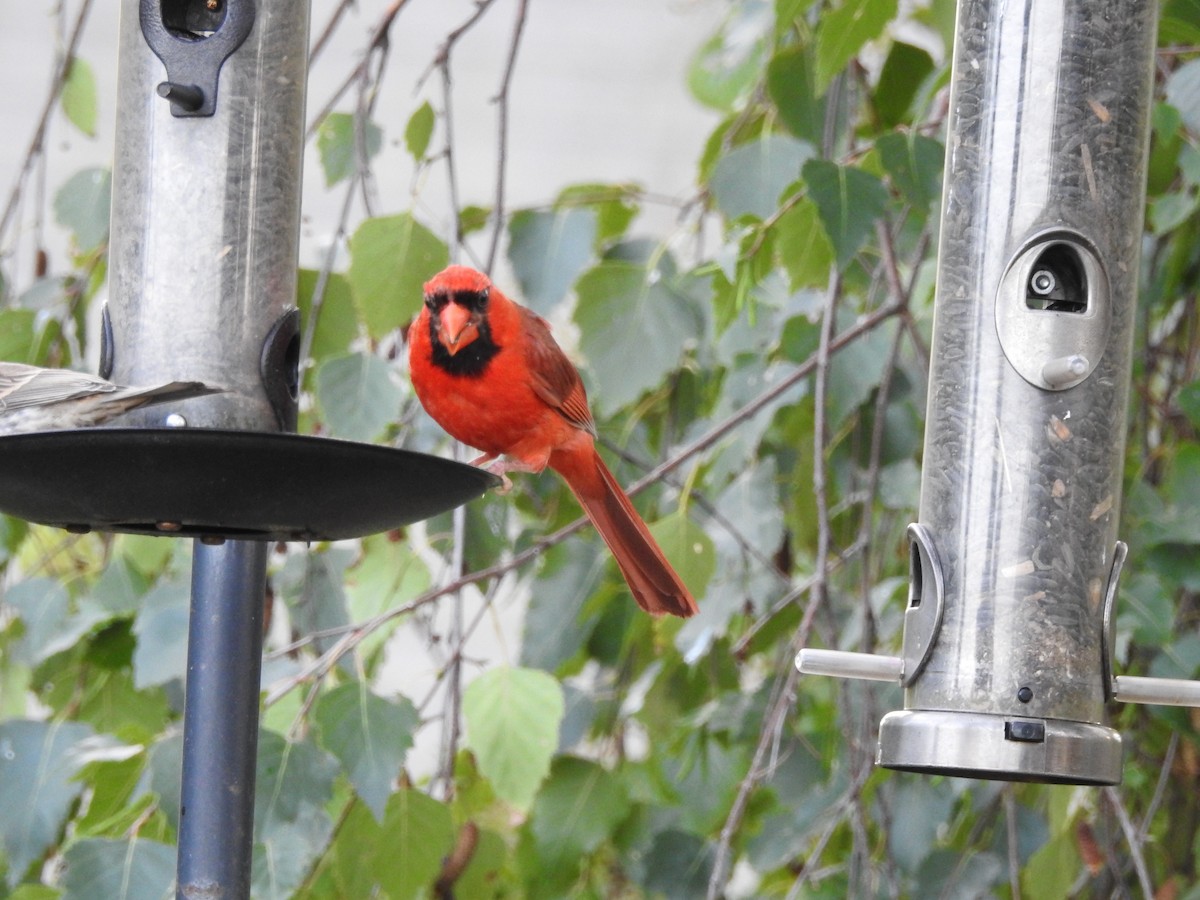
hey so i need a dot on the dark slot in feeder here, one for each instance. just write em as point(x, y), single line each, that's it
point(210, 483)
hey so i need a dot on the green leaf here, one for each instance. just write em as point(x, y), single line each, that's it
point(930, 803)
point(727, 64)
point(291, 825)
point(634, 324)
point(1169, 211)
point(914, 163)
point(38, 761)
point(512, 717)
point(419, 130)
point(803, 246)
point(146, 553)
point(285, 855)
point(43, 606)
point(790, 85)
point(337, 321)
point(1183, 92)
point(133, 869)
point(749, 179)
point(1179, 23)
point(613, 204)
point(163, 777)
point(1052, 870)
point(678, 865)
point(388, 573)
point(81, 205)
point(162, 631)
point(554, 629)
point(843, 32)
point(1147, 609)
point(577, 809)
point(1178, 659)
point(688, 548)
point(1188, 401)
point(1166, 142)
point(903, 71)
point(79, 96)
point(548, 250)
point(943, 875)
point(338, 147)
point(357, 395)
point(16, 334)
point(849, 201)
point(417, 834)
point(370, 737)
point(313, 586)
point(391, 258)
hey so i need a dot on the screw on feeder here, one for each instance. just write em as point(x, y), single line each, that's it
point(1025, 694)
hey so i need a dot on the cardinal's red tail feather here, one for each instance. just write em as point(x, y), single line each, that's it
point(655, 585)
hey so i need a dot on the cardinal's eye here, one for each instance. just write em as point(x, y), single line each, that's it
point(436, 302)
point(476, 301)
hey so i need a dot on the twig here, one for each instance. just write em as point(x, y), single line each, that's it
point(1160, 789)
point(39, 133)
point(442, 57)
point(820, 431)
point(379, 36)
point(501, 101)
point(325, 273)
point(1131, 837)
point(327, 32)
point(451, 172)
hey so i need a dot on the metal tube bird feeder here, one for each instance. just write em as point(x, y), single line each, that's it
point(1007, 656)
point(202, 281)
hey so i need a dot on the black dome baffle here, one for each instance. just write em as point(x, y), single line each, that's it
point(198, 482)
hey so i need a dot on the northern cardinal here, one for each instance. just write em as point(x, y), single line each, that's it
point(36, 399)
point(489, 372)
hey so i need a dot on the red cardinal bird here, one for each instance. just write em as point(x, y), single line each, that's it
point(490, 373)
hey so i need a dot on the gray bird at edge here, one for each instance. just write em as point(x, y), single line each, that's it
point(36, 399)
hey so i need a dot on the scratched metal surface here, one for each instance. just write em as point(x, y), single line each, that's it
point(1021, 486)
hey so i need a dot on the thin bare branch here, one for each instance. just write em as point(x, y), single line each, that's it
point(502, 101)
point(1113, 796)
point(378, 38)
point(36, 144)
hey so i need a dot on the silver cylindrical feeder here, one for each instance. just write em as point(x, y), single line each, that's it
point(202, 281)
point(206, 204)
point(1015, 558)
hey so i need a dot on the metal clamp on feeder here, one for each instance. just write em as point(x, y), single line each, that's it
point(1007, 660)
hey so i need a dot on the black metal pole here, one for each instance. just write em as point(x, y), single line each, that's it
point(220, 723)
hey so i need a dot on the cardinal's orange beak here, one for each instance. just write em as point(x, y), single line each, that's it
point(457, 327)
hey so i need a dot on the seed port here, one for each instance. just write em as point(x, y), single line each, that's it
point(1057, 282)
point(915, 579)
point(192, 20)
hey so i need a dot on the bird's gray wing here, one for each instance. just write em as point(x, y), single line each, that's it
point(22, 386)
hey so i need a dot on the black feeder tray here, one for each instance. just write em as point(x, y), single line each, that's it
point(214, 484)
